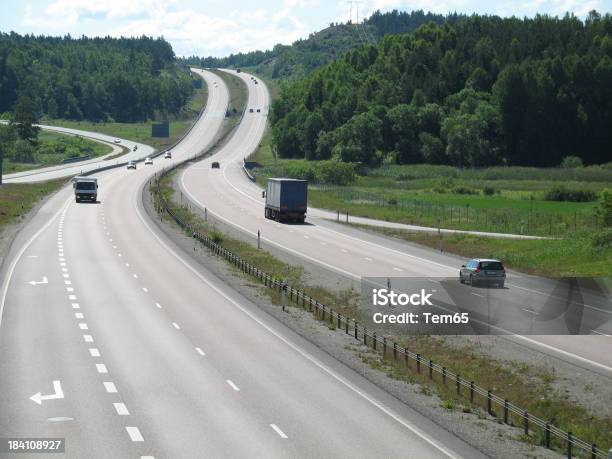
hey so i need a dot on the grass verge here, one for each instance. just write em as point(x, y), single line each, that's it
point(530, 388)
point(17, 199)
point(579, 255)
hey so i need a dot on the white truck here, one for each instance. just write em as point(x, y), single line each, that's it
point(85, 188)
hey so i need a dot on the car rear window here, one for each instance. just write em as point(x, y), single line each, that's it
point(491, 265)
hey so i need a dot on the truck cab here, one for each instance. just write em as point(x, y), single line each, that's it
point(85, 188)
point(286, 200)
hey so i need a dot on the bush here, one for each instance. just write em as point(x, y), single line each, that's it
point(571, 162)
point(602, 239)
point(24, 152)
point(335, 173)
point(489, 191)
point(560, 193)
point(604, 206)
point(464, 190)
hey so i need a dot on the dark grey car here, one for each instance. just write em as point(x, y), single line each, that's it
point(483, 271)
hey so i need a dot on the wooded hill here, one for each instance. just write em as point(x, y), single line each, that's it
point(124, 79)
point(482, 91)
point(320, 48)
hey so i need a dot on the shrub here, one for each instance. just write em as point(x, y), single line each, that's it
point(571, 162)
point(335, 172)
point(561, 193)
point(602, 239)
point(392, 202)
point(489, 191)
point(24, 152)
point(604, 206)
point(464, 190)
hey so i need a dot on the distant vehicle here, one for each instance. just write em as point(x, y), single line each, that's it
point(237, 70)
point(485, 271)
point(117, 140)
point(135, 147)
point(250, 110)
point(286, 199)
point(148, 162)
point(215, 165)
point(131, 165)
point(255, 81)
point(85, 188)
point(258, 110)
point(168, 155)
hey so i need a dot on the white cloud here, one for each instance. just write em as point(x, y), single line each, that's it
point(189, 31)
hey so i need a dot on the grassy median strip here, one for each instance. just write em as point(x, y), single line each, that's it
point(531, 388)
point(17, 199)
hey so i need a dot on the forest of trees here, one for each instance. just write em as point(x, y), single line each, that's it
point(124, 79)
point(480, 91)
point(320, 48)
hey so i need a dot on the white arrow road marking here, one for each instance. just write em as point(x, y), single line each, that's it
point(57, 387)
point(44, 281)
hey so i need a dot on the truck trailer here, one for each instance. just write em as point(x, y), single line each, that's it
point(286, 199)
point(85, 188)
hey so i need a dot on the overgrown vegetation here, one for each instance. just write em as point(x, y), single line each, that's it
point(482, 91)
point(96, 79)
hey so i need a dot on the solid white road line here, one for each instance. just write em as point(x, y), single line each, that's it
point(134, 434)
point(72, 297)
point(200, 351)
point(101, 368)
point(121, 409)
point(110, 387)
point(94, 352)
point(232, 385)
point(278, 431)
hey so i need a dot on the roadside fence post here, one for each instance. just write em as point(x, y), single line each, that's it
point(431, 369)
point(365, 336)
point(394, 350)
point(458, 383)
point(506, 411)
point(258, 239)
point(489, 410)
point(374, 340)
point(526, 418)
point(337, 215)
point(440, 235)
point(593, 451)
point(205, 214)
point(547, 435)
point(569, 445)
point(346, 324)
point(347, 216)
point(471, 391)
point(444, 375)
point(418, 360)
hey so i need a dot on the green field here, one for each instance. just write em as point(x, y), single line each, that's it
point(53, 148)
point(507, 200)
point(141, 132)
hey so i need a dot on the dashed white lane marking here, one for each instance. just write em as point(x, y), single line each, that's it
point(69, 289)
point(65, 270)
point(477, 294)
point(278, 431)
point(323, 243)
point(114, 247)
point(62, 259)
point(78, 315)
point(367, 259)
point(306, 237)
point(344, 250)
point(67, 282)
point(200, 351)
point(101, 368)
point(110, 387)
point(83, 326)
point(119, 255)
point(147, 457)
point(127, 265)
point(232, 385)
point(146, 290)
point(121, 409)
point(76, 306)
point(94, 352)
point(398, 269)
point(159, 306)
point(135, 276)
point(134, 434)
point(88, 338)
point(66, 276)
point(175, 325)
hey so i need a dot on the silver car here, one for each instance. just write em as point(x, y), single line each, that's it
point(483, 271)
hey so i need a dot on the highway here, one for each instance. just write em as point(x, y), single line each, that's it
point(231, 197)
point(112, 337)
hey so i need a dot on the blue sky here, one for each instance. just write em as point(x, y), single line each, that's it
point(216, 27)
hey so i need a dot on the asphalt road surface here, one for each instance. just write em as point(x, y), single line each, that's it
point(232, 197)
point(111, 338)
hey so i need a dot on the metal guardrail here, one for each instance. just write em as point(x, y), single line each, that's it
point(250, 176)
point(508, 413)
